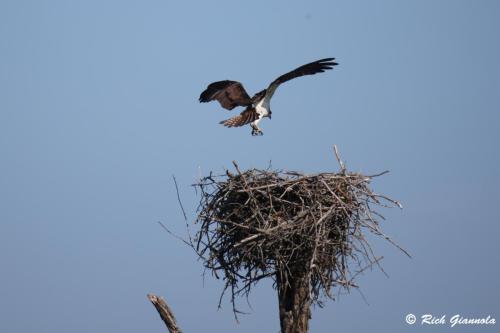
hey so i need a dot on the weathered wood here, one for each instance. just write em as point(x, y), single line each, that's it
point(165, 312)
point(294, 304)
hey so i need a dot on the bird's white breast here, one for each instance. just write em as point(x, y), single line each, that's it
point(263, 107)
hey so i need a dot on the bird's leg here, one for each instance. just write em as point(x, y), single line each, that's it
point(256, 130)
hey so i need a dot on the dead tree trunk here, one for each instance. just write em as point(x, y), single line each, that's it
point(294, 303)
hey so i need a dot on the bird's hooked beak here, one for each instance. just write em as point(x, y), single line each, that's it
point(270, 113)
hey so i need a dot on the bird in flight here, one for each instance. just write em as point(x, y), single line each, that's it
point(231, 94)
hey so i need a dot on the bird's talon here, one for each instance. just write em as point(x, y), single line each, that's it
point(257, 132)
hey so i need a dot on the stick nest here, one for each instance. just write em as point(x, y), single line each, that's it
point(281, 224)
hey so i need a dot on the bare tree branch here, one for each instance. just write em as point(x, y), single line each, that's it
point(165, 312)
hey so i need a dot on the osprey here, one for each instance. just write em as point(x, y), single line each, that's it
point(231, 94)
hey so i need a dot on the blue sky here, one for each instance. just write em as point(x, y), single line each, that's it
point(99, 108)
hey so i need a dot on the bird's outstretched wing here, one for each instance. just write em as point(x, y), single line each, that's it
point(314, 67)
point(243, 118)
point(229, 94)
